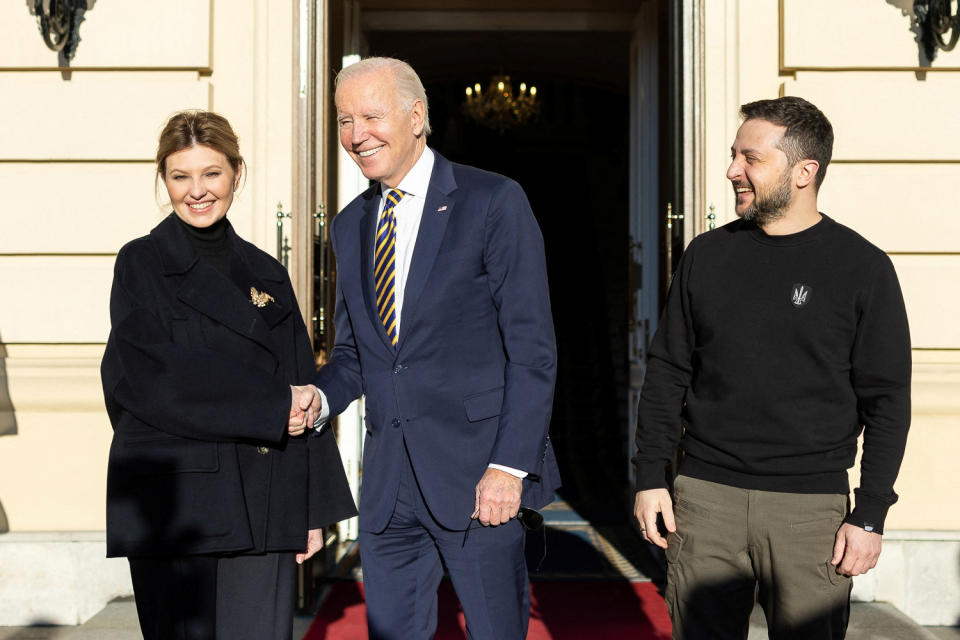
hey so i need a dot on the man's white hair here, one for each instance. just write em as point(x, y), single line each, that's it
point(409, 86)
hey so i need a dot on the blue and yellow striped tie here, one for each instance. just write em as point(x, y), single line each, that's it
point(384, 272)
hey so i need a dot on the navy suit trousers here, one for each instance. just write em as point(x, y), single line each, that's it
point(403, 566)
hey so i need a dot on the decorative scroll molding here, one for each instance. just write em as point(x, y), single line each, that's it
point(59, 23)
point(939, 24)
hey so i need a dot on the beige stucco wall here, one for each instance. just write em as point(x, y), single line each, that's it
point(77, 176)
point(896, 162)
point(76, 172)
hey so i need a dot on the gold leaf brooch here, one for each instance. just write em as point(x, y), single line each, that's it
point(260, 299)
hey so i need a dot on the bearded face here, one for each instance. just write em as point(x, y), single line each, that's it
point(769, 202)
point(763, 178)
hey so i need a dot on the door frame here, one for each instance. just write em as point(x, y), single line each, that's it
point(343, 32)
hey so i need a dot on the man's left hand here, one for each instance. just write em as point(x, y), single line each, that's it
point(498, 497)
point(856, 551)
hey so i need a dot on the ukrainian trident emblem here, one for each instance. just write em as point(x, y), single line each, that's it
point(800, 295)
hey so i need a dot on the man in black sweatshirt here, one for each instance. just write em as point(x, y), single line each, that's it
point(784, 337)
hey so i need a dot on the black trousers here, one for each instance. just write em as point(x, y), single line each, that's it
point(214, 597)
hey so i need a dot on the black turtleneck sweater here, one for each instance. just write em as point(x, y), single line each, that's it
point(211, 243)
point(773, 353)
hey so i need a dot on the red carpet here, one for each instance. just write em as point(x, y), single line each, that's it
point(560, 611)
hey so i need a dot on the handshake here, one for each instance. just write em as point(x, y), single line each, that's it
point(305, 407)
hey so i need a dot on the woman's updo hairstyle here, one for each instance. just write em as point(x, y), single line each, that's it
point(192, 127)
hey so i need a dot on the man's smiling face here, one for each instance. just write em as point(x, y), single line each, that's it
point(383, 138)
point(762, 180)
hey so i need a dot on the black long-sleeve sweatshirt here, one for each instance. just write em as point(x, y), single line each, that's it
point(772, 355)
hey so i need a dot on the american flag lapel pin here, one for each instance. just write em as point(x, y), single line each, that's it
point(442, 209)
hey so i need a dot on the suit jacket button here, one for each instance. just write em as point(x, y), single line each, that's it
point(398, 369)
point(263, 450)
point(396, 423)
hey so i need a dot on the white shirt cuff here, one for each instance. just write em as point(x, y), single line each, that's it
point(324, 411)
point(514, 472)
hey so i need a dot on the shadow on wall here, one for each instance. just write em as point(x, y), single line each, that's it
point(8, 418)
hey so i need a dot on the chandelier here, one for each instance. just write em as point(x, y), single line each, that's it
point(498, 107)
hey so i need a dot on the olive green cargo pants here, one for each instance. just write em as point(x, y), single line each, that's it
point(733, 546)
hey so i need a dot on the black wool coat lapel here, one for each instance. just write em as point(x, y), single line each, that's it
point(231, 303)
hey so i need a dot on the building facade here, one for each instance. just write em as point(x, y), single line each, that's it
point(76, 165)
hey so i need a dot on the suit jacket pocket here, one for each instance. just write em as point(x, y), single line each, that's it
point(466, 251)
point(163, 455)
point(483, 405)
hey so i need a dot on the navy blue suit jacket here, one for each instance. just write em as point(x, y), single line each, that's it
point(471, 380)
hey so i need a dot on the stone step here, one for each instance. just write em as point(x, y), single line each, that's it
point(118, 621)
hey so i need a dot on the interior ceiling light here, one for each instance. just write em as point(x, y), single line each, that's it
point(498, 107)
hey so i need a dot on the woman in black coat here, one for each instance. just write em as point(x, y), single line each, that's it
point(216, 481)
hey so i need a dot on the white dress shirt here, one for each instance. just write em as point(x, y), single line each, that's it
point(408, 213)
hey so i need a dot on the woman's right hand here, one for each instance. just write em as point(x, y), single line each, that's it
point(304, 408)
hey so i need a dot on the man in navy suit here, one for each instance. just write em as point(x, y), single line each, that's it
point(443, 321)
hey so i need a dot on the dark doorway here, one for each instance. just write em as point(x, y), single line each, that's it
point(573, 163)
